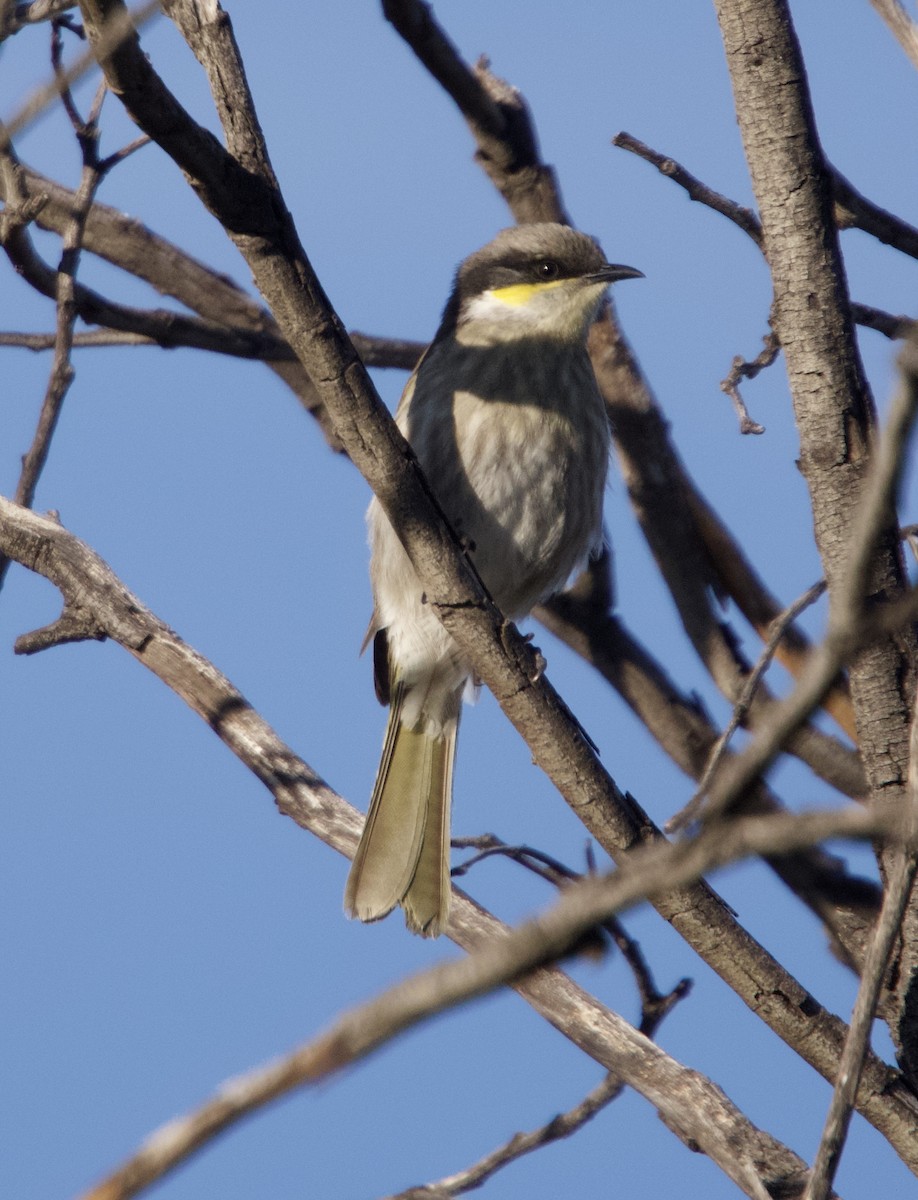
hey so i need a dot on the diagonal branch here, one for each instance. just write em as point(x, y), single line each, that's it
point(495, 112)
point(61, 283)
point(500, 657)
point(833, 406)
point(850, 626)
point(88, 584)
point(901, 26)
point(692, 1106)
point(851, 208)
point(847, 905)
point(898, 891)
point(561, 1126)
point(663, 496)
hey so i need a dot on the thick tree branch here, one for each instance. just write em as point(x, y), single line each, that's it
point(899, 888)
point(85, 580)
point(582, 619)
point(898, 891)
point(500, 657)
point(832, 402)
point(657, 481)
point(850, 623)
point(88, 584)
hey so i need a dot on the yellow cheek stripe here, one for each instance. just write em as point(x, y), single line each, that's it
point(518, 294)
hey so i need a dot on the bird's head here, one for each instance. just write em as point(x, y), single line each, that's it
point(532, 281)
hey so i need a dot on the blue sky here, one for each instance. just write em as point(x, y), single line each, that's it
point(162, 928)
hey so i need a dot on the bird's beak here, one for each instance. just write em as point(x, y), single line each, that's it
point(612, 273)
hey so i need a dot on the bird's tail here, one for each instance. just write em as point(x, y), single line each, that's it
point(403, 856)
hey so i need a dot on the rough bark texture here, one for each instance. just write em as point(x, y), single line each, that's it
point(832, 403)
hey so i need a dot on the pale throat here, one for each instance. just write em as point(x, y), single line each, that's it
point(555, 310)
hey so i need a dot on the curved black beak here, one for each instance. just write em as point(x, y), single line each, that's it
point(613, 272)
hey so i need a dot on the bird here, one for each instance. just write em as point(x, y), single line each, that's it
point(505, 418)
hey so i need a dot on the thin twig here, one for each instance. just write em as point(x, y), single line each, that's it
point(110, 39)
point(39, 342)
point(654, 1003)
point(66, 289)
point(741, 369)
point(852, 210)
point(561, 1126)
point(397, 353)
point(888, 324)
point(495, 961)
point(19, 16)
point(849, 626)
point(62, 373)
point(741, 708)
point(745, 218)
point(86, 581)
point(898, 889)
point(841, 1107)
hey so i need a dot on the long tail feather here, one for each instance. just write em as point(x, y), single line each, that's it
point(403, 856)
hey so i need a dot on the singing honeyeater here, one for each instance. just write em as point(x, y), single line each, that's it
point(506, 420)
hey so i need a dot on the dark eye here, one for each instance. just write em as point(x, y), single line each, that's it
point(547, 269)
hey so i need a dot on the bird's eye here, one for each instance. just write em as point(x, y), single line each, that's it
point(547, 269)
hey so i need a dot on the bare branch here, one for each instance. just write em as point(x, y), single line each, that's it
point(36, 13)
point(745, 218)
point(63, 281)
point(890, 326)
point(852, 210)
point(581, 618)
point(810, 596)
point(163, 327)
point(38, 342)
point(901, 25)
point(115, 34)
point(561, 1126)
point(849, 627)
point(739, 370)
point(85, 581)
point(496, 114)
point(654, 1004)
point(838, 1118)
point(898, 890)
